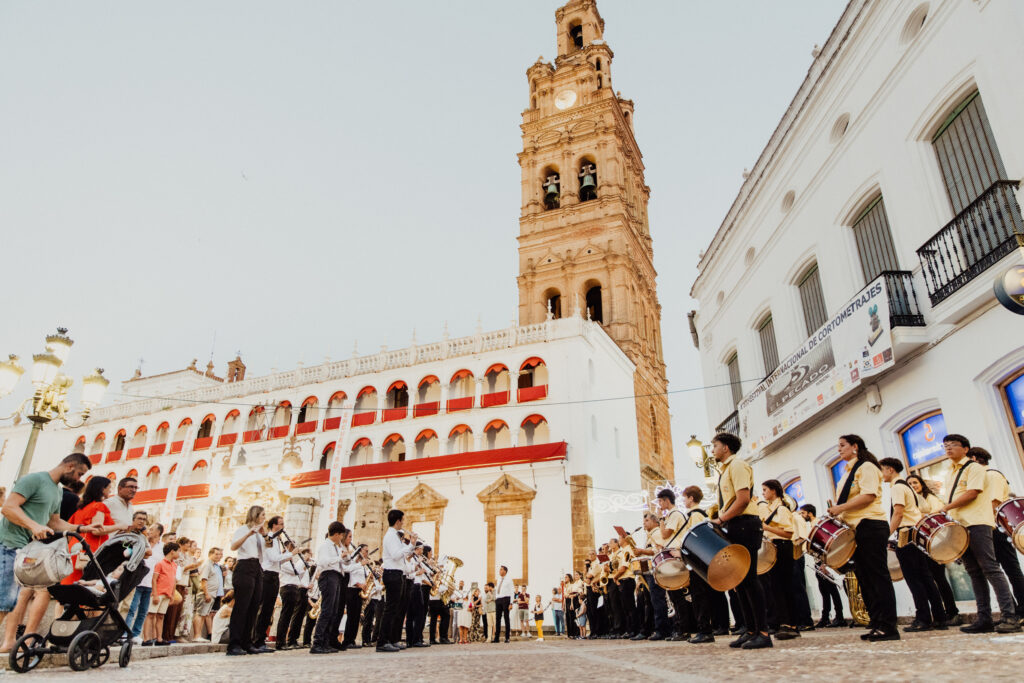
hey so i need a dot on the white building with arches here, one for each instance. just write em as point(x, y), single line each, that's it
point(898, 162)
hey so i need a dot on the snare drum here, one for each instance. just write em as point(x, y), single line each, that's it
point(832, 542)
point(1010, 518)
point(721, 563)
point(941, 537)
point(670, 572)
point(766, 556)
point(895, 570)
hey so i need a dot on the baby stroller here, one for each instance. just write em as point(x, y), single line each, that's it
point(90, 622)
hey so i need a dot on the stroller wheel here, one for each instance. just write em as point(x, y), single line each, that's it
point(126, 654)
point(102, 658)
point(24, 656)
point(85, 651)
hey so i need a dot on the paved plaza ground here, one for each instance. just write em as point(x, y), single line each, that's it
point(831, 655)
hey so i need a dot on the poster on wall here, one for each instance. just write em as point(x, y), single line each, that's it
point(853, 345)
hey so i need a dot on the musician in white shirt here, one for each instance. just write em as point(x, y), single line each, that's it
point(357, 573)
point(273, 556)
point(329, 569)
point(394, 552)
point(439, 612)
point(247, 544)
point(294, 579)
point(502, 600)
point(374, 608)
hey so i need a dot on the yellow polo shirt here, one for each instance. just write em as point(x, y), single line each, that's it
point(674, 521)
point(930, 504)
point(695, 515)
point(996, 486)
point(655, 539)
point(801, 528)
point(736, 474)
point(867, 480)
point(783, 518)
point(979, 510)
point(901, 494)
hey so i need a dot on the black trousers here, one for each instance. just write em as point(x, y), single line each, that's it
point(1006, 556)
point(683, 621)
point(701, 602)
point(801, 605)
point(440, 617)
point(719, 609)
point(644, 610)
point(298, 617)
point(927, 601)
point(331, 594)
point(271, 583)
point(248, 586)
point(981, 565)
point(613, 609)
point(746, 530)
point(391, 620)
point(871, 567)
point(416, 613)
point(627, 601)
point(501, 613)
point(353, 614)
point(572, 630)
point(291, 600)
point(829, 597)
point(945, 590)
point(780, 577)
point(309, 626)
point(595, 616)
point(370, 618)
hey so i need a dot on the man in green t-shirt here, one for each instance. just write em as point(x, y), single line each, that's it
point(32, 511)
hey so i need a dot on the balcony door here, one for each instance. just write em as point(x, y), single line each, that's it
point(967, 153)
point(874, 241)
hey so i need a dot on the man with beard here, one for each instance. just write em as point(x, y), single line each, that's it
point(32, 511)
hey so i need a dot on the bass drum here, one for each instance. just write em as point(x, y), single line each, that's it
point(941, 538)
point(670, 572)
point(1010, 518)
point(721, 563)
point(767, 555)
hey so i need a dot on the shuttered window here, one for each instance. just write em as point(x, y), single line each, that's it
point(967, 153)
point(734, 379)
point(769, 350)
point(812, 300)
point(874, 241)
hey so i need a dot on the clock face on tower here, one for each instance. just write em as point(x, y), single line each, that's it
point(565, 99)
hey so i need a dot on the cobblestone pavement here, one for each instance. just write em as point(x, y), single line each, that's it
point(832, 655)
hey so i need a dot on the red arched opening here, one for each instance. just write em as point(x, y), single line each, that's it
point(460, 439)
point(496, 386)
point(461, 391)
point(229, 430)
point(426, 444)
point(533, 380)
point(332, 417)
point(534, 430)
point(427, 399)
point(309, 414)
point(366, 407)
point(496, 435)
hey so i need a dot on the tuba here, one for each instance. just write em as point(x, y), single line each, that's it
point(857, 607)
point(444, 581)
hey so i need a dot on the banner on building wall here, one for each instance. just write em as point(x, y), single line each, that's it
point(853, 345)
point(336, 459)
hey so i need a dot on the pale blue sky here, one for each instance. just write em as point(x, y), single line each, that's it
point(297, 176)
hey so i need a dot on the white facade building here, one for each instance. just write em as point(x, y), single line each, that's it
point(897, 163)
point(482, 440)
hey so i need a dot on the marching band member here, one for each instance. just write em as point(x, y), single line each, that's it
point(997, 489)
point(798, 581)
point(777, 522)
point(247, 543)
point(618, 621)
point(966, 504)
point(701, 593)
point(273, 556)
point(672, 527)
point(592, 594)
point(904, 517)
point(623, 578)
point(422, 586)
point(659, 607)
point(394, 553)
point(828, 590)
point(357, 573)
point(439, 613)
point(329, 569)
point(293, 572)
point(860, 506)
point(374, 608)
point(929, 503)
point(739, 520)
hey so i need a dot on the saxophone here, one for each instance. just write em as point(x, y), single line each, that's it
point(857, 607)
point(371, 578)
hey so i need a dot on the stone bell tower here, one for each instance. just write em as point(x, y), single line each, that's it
point(584, 244)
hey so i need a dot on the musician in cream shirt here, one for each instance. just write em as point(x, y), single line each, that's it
point(997, 489)
point(659, 607)
point(777, 522)
point(672, 529)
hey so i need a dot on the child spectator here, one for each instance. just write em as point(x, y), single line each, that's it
point(164, 575)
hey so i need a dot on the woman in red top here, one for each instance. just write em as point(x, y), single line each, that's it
point(92, 510)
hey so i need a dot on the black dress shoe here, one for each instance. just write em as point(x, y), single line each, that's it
point(979, 627)
point(865, 636)
point(445, 641)
point(737, 629)
point(236, 651)
point(321, 651)
point(805, 627)
point(822, 623)
point(955, 620)
point(701, 638)
point(758, 642)
point(639, 636)
point(656, 636)
point(387, 647)
point(838, 622)
point(876, 636)
point(258, 651)
point(493, 641)
point(916, 627)
point(420, 644)
point(742, 640)
point(720, 632)
point(787, 633)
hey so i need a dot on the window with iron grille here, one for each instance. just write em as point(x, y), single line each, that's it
point(733, 364)
point(874, 241)
point(769, 350)
point(967, 153)
point(812, 300)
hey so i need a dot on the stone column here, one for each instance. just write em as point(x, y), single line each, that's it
point(371, 517)
point(580, 504)
point(299, 517)
point(193, 523)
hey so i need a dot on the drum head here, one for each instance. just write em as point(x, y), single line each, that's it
point(672, 575)
point(840, 550)
point(895, 570)
point(1018, 538)
point(766, 557)
point(948, 543)
point(729, 567)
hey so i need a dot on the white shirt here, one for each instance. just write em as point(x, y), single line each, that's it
point(292, 572)
point(328, 556)
point(410, 568)
point(121, 511)
point(157, 555)
point(504, 587)
point(394, 551)
point(273, 557)
point(250, 548)
point(357, 574)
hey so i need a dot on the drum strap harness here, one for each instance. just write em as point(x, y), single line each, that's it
point(845, 493)
point(952, 489)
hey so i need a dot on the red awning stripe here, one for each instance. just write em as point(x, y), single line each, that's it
point(186, 421)
point(531, 363)
point(199, 465)
point(361, 442)
point(366, 390)
point(153, 469)
point(329, 448)
point(140, 430)
point(312, 400)
point(398, 385)
point(460, 374)
point(495, 424)
point(394, 438)
point(459, 461)
point(497, 367)
point(337, 395)
point(429, 379)
point(534, 420)
point(459, 429)
point(426, 434)
point(165, 425)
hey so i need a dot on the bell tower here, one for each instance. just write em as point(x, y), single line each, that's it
point(584, 244)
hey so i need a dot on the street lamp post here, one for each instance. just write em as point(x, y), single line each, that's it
point(49, 400)
point(703, 460)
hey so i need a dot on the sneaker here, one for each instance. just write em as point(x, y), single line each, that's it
point(701, 638)
point(979, 627)
point(541, 640)
point(742, 640)
point(1008, 626)
point(200, 640)
point(137, 640)
point(757, 642)
point(916, 627)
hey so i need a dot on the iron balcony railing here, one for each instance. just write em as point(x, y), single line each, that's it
point(987, 230)
point(730, 424)
point(903, 308)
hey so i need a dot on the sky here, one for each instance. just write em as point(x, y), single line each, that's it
point(289, 179)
